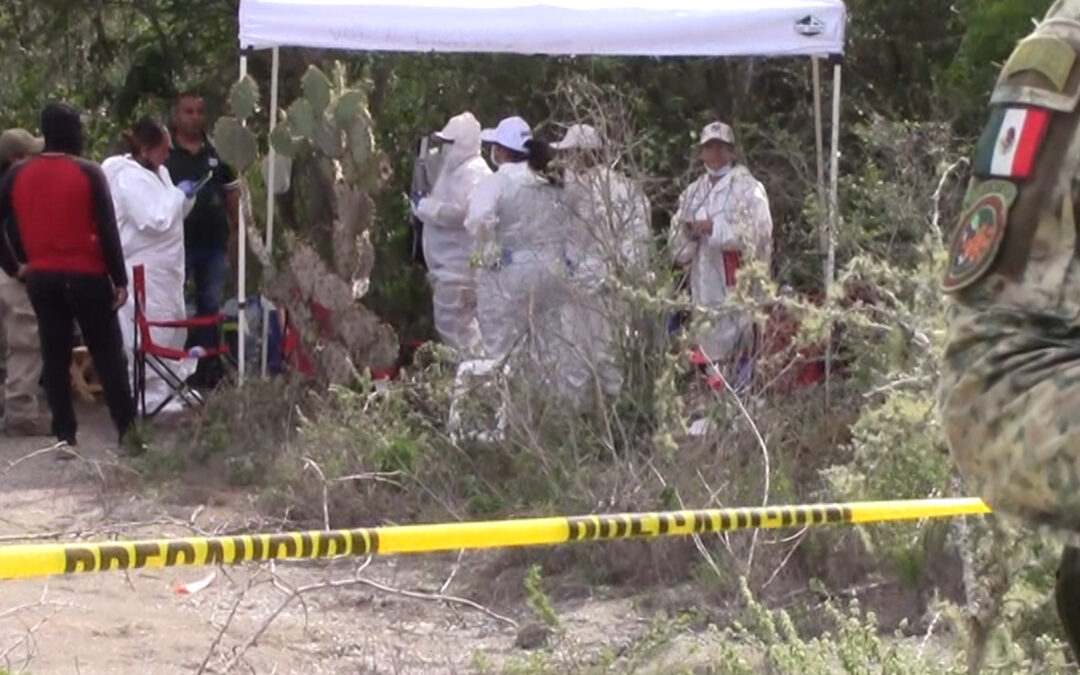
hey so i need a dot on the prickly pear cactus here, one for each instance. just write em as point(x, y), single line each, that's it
point(236, 144)
point(328, 134)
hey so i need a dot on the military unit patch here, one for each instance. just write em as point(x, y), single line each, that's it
point(1010, 144)
point(978, 237)
point(1051, 57)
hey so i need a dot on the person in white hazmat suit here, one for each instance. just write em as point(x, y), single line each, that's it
point(722, 223)
point(520, 219)
point(150, 213)
point(610, 236)
point(447, 244)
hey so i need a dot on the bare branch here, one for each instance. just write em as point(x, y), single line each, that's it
point(225, 627)
point(764, 454)
point(935, 221)
point(309, 463)
point(453, 572)
point(784, 562)
point(695, 537)
point(37, 453)
point(239, 652)
point(438, 597)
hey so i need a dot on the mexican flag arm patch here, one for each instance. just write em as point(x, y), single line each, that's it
point(1009, 146)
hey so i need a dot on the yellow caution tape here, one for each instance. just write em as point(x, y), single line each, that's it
point(35, 560)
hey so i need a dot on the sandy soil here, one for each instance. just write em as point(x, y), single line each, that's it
point(249, 620)
point(136, 623)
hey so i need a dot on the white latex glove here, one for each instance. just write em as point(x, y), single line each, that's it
point(725, 236)
point(428, 209)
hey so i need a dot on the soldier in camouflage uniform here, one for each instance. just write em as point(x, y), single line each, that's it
point(1010, 391)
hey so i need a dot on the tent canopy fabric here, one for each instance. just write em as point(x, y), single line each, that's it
point(552, 27)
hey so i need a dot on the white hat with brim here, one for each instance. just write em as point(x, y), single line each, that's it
point(580, 137)
point(717, 131)
point(512, 133)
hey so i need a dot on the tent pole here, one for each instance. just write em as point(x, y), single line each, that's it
point(834, 221)
point(834, 176)
point(823, 204)
point(271, 175)
point(241, 273)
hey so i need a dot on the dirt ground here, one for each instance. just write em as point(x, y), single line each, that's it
point(137, 623)
point(385, 615)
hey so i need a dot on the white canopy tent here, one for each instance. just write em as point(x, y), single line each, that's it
point(777, 28)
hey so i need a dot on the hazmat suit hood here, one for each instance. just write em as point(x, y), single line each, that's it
point(463, 134)
point(447, 244)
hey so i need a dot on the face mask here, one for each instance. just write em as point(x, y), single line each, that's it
point(717, 174)
point(493, 160)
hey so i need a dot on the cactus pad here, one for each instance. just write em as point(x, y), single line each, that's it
point(237, 145)
point(317, 90)
point(301, 118)
point(244, 98)
point(284, 143)
point(328, 139)
point(348, 107)
point(361, 140)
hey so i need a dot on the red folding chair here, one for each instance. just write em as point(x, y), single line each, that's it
point(157, 358)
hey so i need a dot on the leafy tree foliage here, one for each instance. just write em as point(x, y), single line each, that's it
point(909, 59)
point(917, 77)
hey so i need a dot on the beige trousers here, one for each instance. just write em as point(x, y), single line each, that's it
point(22, 354)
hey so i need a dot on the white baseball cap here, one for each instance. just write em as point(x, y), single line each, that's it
point(511, 133)
point(580, 137)
point(718, 131)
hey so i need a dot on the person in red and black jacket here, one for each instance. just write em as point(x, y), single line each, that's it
point(57, 214)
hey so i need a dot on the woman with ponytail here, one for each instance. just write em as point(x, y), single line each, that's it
point(520, 220)
point(150, 214)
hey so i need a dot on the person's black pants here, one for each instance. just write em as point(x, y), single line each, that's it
point(1068, 597)
point(59, 300)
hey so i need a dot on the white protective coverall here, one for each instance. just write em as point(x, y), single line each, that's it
point(738, 208)
point(150, 213)
point(610, 235)
point(447, 244)
point(520, 222)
